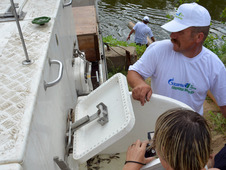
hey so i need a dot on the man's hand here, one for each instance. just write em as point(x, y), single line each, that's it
point(132, 31)
point(142, 93)
point(128, 38)
point(141, 90)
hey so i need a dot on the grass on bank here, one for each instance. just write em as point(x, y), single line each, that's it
point(115, 43)
point(217, 122)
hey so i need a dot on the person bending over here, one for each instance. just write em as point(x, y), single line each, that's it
point(142, 31)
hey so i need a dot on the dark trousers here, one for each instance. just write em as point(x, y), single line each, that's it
point(220, 159)
point(141, 44)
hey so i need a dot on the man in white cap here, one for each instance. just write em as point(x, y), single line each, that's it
point(141, 32)
point(181, 68)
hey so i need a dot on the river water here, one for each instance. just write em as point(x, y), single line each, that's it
point(114, 16)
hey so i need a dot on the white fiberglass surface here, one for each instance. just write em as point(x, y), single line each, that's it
point(93, 137)
point(145, 118)
point(13, 166)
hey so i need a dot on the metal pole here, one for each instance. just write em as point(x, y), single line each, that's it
point(27, 61)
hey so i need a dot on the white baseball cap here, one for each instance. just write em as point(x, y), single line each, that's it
point(188, 15)
point(146, 18)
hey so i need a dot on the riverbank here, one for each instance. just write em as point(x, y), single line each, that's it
point(218, 139)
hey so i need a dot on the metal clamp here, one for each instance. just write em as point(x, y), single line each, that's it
point(101, 113)
point(67, 4)
point(52, 83)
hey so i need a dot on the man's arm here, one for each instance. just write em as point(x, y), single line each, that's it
point(141, 90)
point(132, 31)
point(223, 110)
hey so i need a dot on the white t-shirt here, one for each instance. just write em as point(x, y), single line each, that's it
point(182, 78)
point(141, 33)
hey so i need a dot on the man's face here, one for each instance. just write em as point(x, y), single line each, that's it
point(184, 42)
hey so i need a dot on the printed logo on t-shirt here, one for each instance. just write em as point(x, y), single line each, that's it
point(187, 87)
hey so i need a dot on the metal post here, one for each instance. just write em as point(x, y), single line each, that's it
point(27, 61)
point(62, 164)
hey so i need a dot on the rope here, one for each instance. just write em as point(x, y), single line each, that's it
point(107, 44)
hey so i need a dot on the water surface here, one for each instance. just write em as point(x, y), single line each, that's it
point(115, 15)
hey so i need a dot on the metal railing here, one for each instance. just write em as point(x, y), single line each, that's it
point(27, 61)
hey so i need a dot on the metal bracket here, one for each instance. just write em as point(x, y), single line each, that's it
point(78, 53)
point(8, 14)
point(101, 114)
point(62, 164)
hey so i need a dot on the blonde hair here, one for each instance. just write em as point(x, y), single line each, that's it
point(182, 138)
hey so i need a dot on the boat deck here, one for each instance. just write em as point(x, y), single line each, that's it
point(18, 82)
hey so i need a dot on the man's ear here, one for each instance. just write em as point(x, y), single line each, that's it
point(200, 37)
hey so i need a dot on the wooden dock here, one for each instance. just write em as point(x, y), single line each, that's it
point(86, 29)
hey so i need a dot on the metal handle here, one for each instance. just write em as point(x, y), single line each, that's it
point(52, 83)
point(67, 4)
